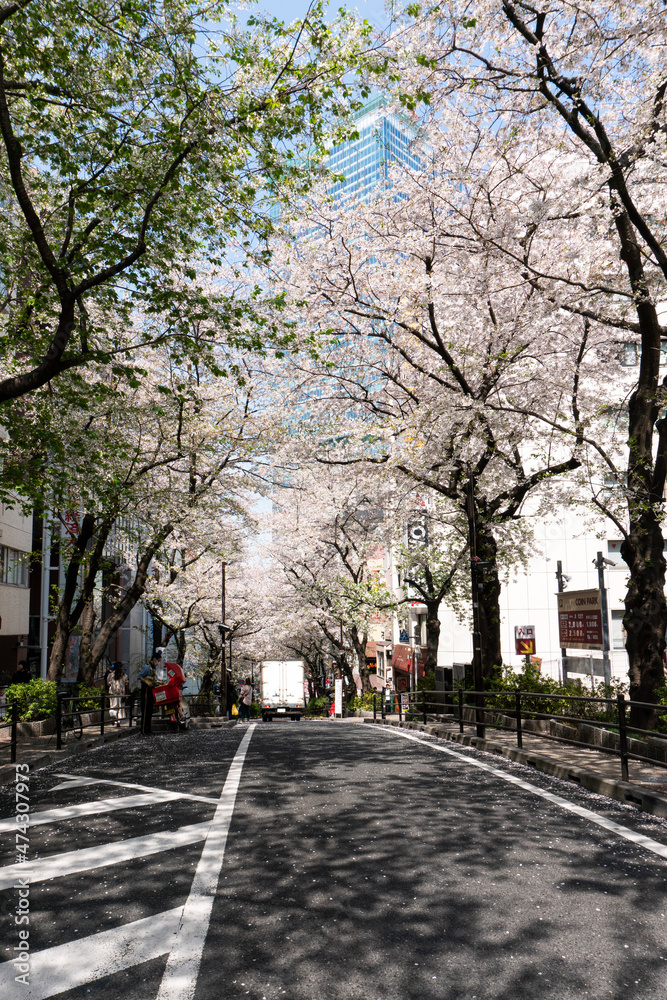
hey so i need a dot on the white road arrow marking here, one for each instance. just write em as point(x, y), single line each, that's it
point(125, 784)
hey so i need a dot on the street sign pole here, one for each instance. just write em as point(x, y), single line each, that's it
point(476, 630)
point(223, 666)
point(606, 662)
point(561, 587)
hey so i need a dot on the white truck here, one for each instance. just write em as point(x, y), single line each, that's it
point(281, 688)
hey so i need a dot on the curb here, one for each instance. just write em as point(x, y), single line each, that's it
point(37, 760)
point(622, 791)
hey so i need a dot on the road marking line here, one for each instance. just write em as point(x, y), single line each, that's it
point(607, 824)
point(124, 784)
point(180, 975)
point(103, 855)
point(83, 960)
point(91, 808)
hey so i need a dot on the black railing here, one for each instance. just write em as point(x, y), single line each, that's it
point(70, 709)
point(12, 725)
point(522, 712)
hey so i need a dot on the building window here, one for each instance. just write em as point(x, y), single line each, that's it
point(617, 630)
point(628, 355)
point(614, 551)
point(13, 567)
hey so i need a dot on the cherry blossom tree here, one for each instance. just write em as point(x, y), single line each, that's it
point(425, 341)
point(123, 476)
point(572, 98)
point(326, 527)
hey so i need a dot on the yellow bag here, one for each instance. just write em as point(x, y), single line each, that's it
point(235, 710)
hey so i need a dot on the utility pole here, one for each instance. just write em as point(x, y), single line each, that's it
point(223, 665)
point(475, 582)
point(563, 580)
point(600, 562)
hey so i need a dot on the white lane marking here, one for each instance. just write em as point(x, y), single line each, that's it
point(57, 865)
point(83, 960)
point(91, 808)
point(71, 783)
point(607, 824)
point(180, 975)
point(124, 784)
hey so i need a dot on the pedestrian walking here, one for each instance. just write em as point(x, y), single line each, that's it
point(246, 700)
point(232, 696)
point(147, 680)
point(118, 690)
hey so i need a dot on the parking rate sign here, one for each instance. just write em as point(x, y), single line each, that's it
point(580, 619)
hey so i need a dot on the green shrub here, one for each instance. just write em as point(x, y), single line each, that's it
point(317, 706)
point(365, 702)
point(36, 699)
point(502, 687)
point(92, 698)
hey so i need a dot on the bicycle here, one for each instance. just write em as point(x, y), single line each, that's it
point(70, 720)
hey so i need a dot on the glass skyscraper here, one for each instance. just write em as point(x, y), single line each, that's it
point(384, 137)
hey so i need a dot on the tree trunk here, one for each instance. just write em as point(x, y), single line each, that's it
point(349, 683)
point(645, 618)
point(131, 596)
point(68, 615)
point(359, 643)
point(432, 636)
point(489, 605)
point(87, 668)
point(181, 645)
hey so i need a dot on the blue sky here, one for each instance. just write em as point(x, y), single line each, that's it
point(290, 10)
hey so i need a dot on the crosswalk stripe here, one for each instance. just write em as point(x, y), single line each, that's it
point(92, 808)
point(83, 960)
point(57, 865)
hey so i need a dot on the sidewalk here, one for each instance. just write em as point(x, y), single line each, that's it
point(38, 751)
point(599, 772)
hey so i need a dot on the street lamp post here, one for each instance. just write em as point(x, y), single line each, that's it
point(600, 562)
point(223, 665)
point(475, 581)
point(563, 580)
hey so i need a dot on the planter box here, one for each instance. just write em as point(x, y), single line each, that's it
point(44, 727)
point(47, 727)
point(535, 725)
point(563, 731)
point(611, 740)
point(656, 748)
point(590, 734)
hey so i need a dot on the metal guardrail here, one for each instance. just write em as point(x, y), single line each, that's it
point(69, 706)
point(514, 719)
point(66, 710)
point(13, 725)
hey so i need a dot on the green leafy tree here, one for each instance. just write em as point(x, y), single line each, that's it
point(135, 138)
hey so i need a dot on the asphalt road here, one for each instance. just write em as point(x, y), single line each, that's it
point(329, 861)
